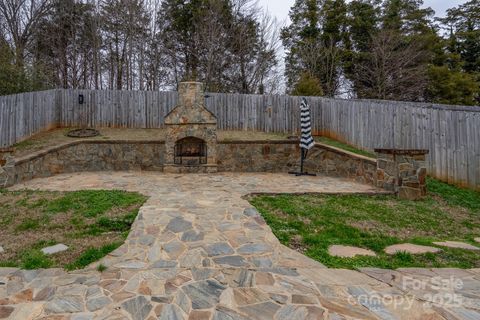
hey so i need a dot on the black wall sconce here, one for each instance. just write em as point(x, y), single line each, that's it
point(81, 99)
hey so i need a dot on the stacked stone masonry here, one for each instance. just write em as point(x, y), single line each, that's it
point(190, 119)
point(403, 172)
point(237, 156)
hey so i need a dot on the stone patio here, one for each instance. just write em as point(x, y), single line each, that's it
point(198, 250)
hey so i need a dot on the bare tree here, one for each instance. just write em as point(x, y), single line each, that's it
point(395, 69)
point(211, 41)
point(125, 24)
point(21, 19)
point(321, 61)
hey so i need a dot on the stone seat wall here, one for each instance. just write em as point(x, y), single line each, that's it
point(232, 156)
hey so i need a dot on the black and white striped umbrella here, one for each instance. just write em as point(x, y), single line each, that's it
point(306, 140)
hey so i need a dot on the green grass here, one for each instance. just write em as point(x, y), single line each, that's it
point(79, 202)
point(28, 224)
point(91, 255)
point(90, 223)
point(314, 222)
point(35, 259)
point(344, 146)
point(24, 144)
point(101, 268)
point(455, 196)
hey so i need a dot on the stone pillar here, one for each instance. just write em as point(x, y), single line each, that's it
point(7, 167)
point(403, 172)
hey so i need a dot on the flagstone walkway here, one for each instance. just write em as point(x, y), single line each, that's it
point(198, 250)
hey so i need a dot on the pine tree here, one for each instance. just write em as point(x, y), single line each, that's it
point(315, 42)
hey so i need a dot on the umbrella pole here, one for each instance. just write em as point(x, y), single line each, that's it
point(302, 159)
point(303, 156)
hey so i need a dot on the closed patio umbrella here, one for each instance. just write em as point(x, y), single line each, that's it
point(306, 139)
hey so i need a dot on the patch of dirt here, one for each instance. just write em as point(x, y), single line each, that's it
point(305, 220)
point(279, 213)
point(296, 243)
point(368, 226)
point(55, 137)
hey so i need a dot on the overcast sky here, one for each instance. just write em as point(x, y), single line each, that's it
point(280, 8)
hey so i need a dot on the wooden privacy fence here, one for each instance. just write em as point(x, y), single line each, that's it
point(451, 133)
point(147, 109)
point(22, 115)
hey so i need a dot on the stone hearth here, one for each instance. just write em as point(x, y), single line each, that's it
point(191, 142)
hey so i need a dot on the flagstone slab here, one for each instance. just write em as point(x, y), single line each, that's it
point(192, 236)
point(65, 304)
point(261, 311)
point(6, 311)
point(171, 312)
point(55, 249)
point(457, 245)
point(251, 212)
point(477, 240)
point(349, 252)
point(204, 294)
point(234, 261)
point(219, 249)
point(178, 224)
point(410, 248)
point(164, 264)
point(138, 307)
point(254, 248)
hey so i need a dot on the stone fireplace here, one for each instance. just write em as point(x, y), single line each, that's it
point(191, 140)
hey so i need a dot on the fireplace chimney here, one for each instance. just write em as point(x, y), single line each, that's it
point(190, 126)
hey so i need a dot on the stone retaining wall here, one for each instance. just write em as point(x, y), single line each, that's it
point(81, 156)
point(239, 156)
point(284, 156)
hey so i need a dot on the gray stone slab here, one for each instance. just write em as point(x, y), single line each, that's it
point(178, 224)
point(138, 307)
point(290, 312)
point(27, 275)
point(55, 249)
point(219, 249)
point(234, 261)
point(283, 271)
point(171, 312)
point(261, 311)
point(262, 262)
point(457, 245)
point(374, 305)
point(410, 248)
point(254, 248)
point(223, 313)
point(66, 304)
point(164, 264)
point(349, 251)
point(174, 249)
point(98, 303)
point(134, 264)
point(83, 316)
point(204, 294)
point(146, 240)
point(251, 212)
point(192, 236)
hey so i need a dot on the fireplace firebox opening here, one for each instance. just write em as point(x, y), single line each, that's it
point(190, 151)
